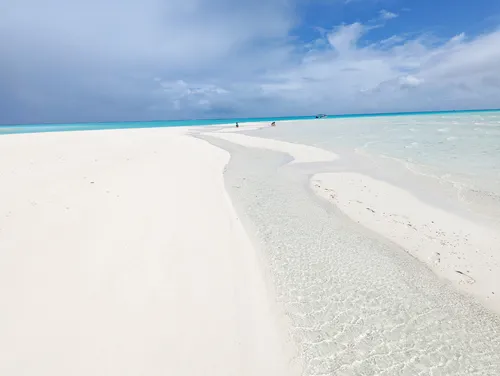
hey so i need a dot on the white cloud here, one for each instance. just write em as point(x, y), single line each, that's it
point(386, 15)
point(185, 96)
point(154, 59)
point(395, 74)
point(409, 81)
point(345, 37)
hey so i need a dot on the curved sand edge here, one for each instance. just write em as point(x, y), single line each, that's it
point(301, 153)
point(122, 254)
point(457, 249)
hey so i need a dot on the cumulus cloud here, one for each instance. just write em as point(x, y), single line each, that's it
point(396, 74)
point(344, 38)
point(386, 15)
point(74, 60)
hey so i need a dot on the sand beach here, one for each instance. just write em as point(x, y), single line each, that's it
point(252, 251)
point(121, 254)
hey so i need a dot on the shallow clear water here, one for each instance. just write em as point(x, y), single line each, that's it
point(356, 305)
point(458, 149)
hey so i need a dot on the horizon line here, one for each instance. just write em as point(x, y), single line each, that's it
point(262, 118)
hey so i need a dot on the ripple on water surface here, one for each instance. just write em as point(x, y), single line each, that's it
point(357, 305)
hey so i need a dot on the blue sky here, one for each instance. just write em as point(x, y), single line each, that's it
point(97, 60)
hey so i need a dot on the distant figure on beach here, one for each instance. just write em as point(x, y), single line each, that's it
point(237, 125)
point(273, 124)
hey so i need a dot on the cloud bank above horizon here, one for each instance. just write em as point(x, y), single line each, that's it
point(78, 61)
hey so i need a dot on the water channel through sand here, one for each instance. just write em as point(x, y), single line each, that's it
point(357, 304)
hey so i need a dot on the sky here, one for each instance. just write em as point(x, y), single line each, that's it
point(115, 60)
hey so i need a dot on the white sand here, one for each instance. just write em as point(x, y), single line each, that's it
point(244, 127)
point(250, 126)
point(466, 253)
point(121, 254)
point(300, 153)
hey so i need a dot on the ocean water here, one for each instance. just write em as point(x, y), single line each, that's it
point(37, 128)
point(460, 150)
point(355, 305)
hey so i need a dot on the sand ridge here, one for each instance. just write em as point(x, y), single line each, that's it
point(300, 153)
point(455, 248)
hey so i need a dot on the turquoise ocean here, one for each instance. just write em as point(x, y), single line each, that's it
point(37, 128)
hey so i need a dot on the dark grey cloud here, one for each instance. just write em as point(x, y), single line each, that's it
point(86, 60)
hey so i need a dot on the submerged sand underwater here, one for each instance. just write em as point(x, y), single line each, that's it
point(358, 302)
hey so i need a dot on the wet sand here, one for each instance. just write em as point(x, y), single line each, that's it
point(455, 248)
